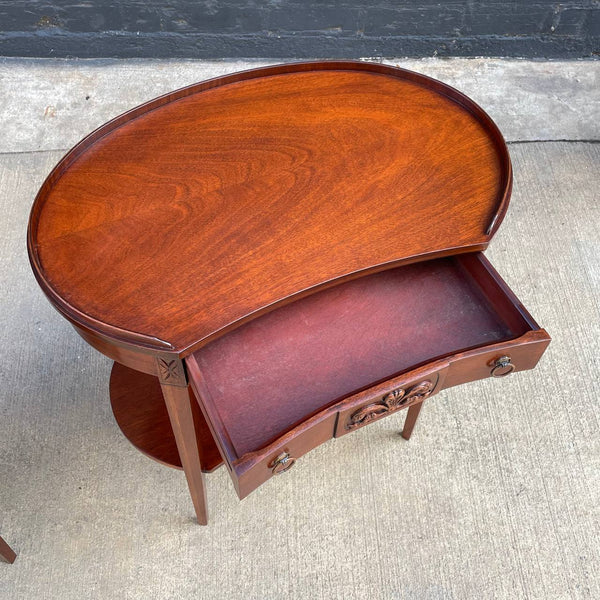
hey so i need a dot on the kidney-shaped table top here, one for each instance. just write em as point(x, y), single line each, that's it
point(205, 207)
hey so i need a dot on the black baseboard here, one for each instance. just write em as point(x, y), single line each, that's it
point(299, 29)
point(207, 46)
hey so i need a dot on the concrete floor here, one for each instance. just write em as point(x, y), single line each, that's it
point(497, 494)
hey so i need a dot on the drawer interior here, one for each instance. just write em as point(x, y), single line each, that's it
point(272, 373)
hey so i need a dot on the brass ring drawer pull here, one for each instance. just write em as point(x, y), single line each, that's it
point(282, 463)
point(502, 367)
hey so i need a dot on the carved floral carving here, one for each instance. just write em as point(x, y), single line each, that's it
point(391, 402)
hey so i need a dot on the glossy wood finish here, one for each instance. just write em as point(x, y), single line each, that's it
point(275, 384)
point(178, 402)
point(303, 241)
point(525, 352)
point(135, 357)
point(6, 552)
point(208, 206)
point(411, 419)
point(139, 408)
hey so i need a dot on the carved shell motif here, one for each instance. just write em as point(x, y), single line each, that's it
point(395, 399)
point(391, 402)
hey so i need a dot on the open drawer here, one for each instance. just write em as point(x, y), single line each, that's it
point(280, 385)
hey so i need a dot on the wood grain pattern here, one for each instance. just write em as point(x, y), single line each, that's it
point(179, 406)
point(190, 214)
point(132, 356)
point(302, 191)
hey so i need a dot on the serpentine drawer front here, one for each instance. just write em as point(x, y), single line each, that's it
point(280, 256)
point(330, 363)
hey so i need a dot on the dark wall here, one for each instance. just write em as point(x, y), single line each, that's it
point(293, 28)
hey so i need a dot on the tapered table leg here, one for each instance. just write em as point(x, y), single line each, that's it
point(411, 419)
point(178, 401)
point(6, 552)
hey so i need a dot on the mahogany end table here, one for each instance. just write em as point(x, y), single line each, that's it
point(281, 256)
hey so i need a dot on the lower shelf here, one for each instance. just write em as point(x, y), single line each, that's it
point(138, 405)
